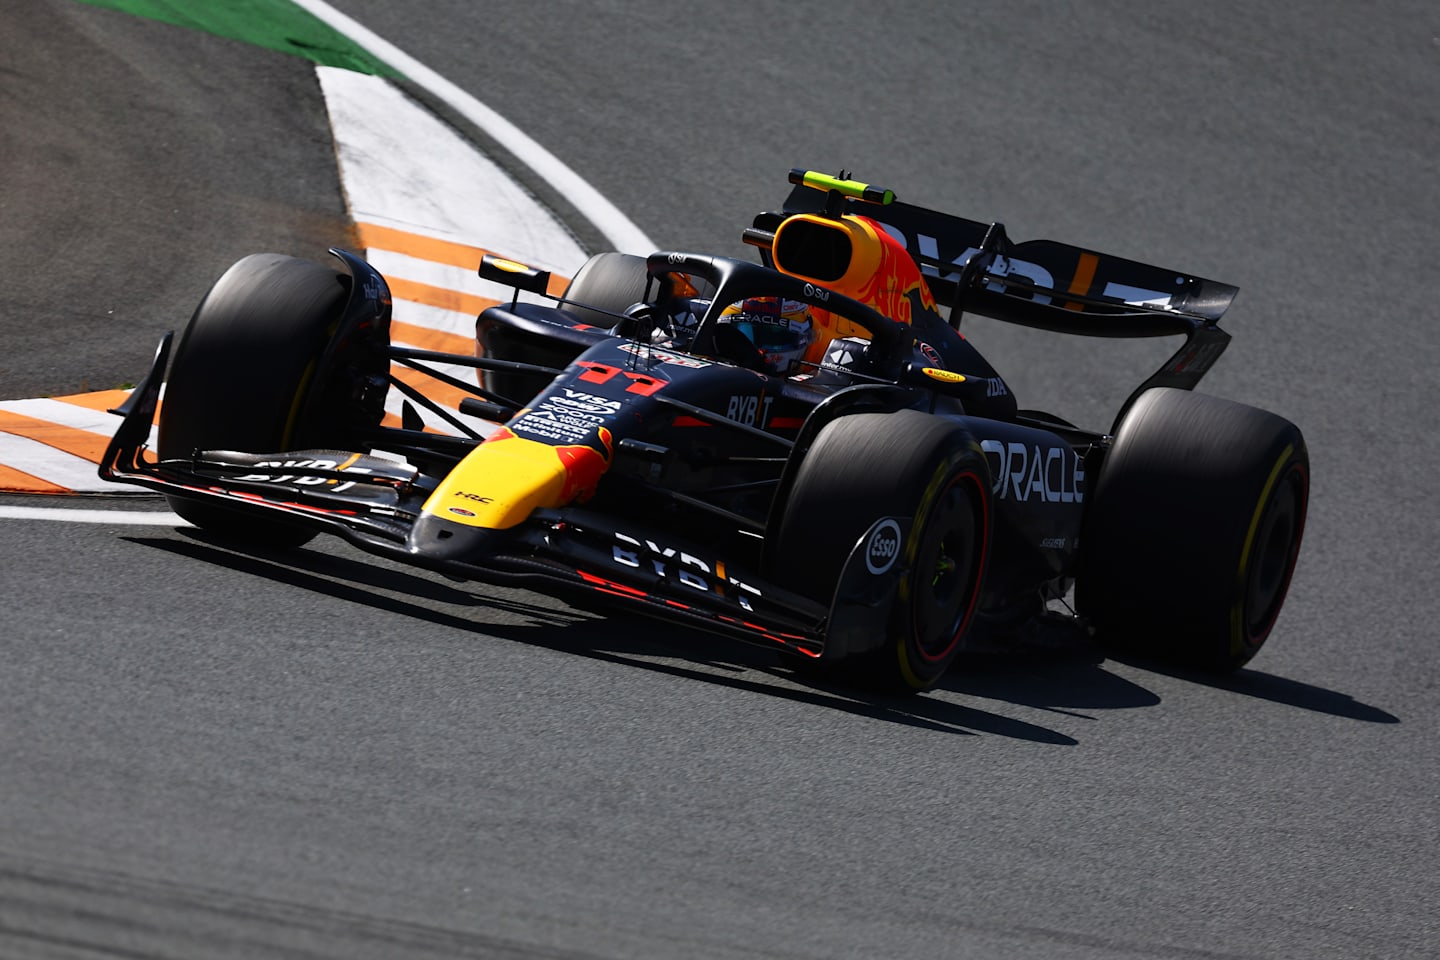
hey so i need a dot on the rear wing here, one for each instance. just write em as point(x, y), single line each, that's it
point(974, 267)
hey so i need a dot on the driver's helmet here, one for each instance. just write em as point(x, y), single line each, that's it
point(780, 329)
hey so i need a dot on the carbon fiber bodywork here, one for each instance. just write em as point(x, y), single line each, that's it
point(674, 456)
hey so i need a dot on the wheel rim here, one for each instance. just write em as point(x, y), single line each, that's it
point(946, 570)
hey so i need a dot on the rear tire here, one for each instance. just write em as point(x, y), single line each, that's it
point(1192, 530)
point(240, 374)
point(865, 467)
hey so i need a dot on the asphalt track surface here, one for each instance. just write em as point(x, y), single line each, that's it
point(206, 752)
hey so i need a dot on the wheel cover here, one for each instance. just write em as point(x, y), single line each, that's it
point(947, 568)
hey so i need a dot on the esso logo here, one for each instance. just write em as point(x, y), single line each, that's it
point(883, 547)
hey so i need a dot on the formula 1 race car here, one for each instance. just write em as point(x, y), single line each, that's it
point(802, 453)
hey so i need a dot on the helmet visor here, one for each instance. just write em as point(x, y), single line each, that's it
point(769, 334)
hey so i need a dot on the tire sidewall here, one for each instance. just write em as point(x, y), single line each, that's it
point(866, 467)
point(1178, 526)
point(233, 386)
point(241, 373)
point(959, 478)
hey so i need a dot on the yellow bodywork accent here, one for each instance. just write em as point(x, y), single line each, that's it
point(500, 483)
point(850, 188)
point(944, 376)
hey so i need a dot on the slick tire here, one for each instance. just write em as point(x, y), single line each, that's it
point(1192, 530)
point(865, 467)
point(240, 375)
point(609, 281)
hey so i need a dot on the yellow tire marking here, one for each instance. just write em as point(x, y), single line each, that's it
point(1237, 612)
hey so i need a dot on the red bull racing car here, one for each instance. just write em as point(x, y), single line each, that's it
point(802, 452)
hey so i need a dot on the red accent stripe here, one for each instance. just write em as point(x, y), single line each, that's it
point(602, 583)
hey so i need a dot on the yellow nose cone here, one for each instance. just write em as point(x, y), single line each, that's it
point(505, 479)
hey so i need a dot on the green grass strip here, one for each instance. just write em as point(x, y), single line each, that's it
point(273, 24)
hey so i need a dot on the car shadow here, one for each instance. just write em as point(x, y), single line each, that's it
point(1066, 684)
point(1267, 686)
point(614, 637)
point(1072, 683)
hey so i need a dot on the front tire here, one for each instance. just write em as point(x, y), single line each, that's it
point(861, 469)
point(1193, 529)
point(608, 282)
point(240, 375)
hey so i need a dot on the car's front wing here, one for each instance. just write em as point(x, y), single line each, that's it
point(376, 503)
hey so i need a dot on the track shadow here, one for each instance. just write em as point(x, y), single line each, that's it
point(1070, 683)
point(1067, 682)
point(617, 638)
point(1267, 686)
point(355, 581)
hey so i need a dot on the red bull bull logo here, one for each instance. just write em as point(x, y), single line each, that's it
point(896, 289)
point(875, 269)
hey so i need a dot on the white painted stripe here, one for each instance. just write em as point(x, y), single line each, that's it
point(70, 415)
point(405, 267)
point(402, 167)
point(434, 318)
point(617, 227)
point(53, 466)
point(66, 414)
point(447, 321)
point(149, 518)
